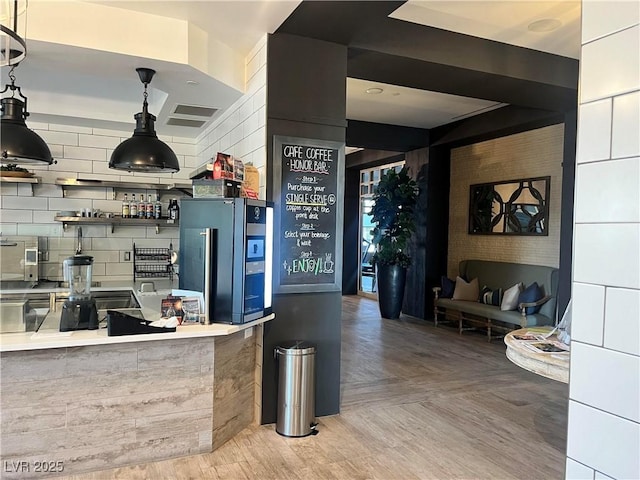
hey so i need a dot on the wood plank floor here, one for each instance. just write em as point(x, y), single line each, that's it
point(418, 402)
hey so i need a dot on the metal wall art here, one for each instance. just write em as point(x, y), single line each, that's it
point(513, 207)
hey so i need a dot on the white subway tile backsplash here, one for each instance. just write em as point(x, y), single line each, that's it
point(39, 229)
point(66, 164)
point(608, 191)
point(588, 313)
point(43, 216)
point(622, 323)
point(188, 140)
point(69, 128)
point(57, 151)
point(9, 188)
point(8, 228)
point(577, 471)
point(37, 126)
point(597, 372)
point(25, 190)
point(183, 148)
point(85, 153)
point(60, 138)
point(626, 125)
point(113, 133)
point(47, 190)
point(602, 441)
point(594, 131)
point(98, 141)
point(607, 55)
point(119, 269)
point(607, 254)
point(24, 203)
point(259, 98)
point(15, 216)
point(603, 18)
point(112, 243)
point(76, 204)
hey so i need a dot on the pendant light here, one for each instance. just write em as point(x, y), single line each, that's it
point(18, 144)
point(144, 152)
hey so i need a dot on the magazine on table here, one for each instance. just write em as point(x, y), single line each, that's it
point(547, 346)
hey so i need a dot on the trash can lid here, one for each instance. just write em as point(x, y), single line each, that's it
point(296, 347)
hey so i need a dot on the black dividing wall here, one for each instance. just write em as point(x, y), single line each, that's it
point(306, 97)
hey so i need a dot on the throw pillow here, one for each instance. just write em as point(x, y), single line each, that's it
point(466, 290)
point(532, 293)
point(448, 286)
point(510, 297)
point(491, 297)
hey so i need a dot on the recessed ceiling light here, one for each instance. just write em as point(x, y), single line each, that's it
point(544, 25)
point(192, 82)
point(374, 90)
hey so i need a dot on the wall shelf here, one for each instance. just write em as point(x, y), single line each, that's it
point(65, 183)
point(30, 180)
point(117, 221)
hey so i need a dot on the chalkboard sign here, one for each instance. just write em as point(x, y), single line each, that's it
point(308, 197)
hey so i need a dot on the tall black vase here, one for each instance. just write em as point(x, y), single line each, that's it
point(391, 281)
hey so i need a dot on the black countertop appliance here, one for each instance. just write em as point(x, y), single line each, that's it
point(226, 247)
point(79, 311)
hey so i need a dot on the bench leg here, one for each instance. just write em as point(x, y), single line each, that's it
point(489, 329)
point(435, 315)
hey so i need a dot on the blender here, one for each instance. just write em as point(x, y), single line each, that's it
point(79, 311)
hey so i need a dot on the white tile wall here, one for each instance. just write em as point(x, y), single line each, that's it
point(536, 153)
point(607, 254)
point(602, 57)
point(577, 471)
point(608, 191)
point(626, 126)
point(603, 441)
point(598, 372)
point(604, 406)
point(612, 16)
point(594, 131)
point(241, 129)
point(81, 152)
point(588, 307)
point(622, 330)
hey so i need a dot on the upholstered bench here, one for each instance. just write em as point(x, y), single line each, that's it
point(474, 314)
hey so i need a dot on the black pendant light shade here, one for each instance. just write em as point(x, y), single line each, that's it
point(144, 152)
point(19, 144)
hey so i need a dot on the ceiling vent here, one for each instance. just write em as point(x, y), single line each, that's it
point(195, 111)
point(184, 122)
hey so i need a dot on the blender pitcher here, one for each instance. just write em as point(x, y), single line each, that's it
point(79, 311)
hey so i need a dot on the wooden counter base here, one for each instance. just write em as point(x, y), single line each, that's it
point(93, 407)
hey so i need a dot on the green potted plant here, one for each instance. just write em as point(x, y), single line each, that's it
point(393, 210)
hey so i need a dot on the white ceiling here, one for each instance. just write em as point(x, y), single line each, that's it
point(74, 80)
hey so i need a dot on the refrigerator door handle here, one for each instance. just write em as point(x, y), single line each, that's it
point(207, 273)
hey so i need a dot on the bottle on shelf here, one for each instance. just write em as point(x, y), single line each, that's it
point(149, 207)
point(133, 208)
point(125, 207)
point(174, 210)
point(157, 208)
point(142, 207)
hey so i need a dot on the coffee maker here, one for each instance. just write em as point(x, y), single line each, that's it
point(79, 311)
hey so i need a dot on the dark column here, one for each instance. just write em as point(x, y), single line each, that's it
point(306, 97)
point(351, 252)
point(430, 168)
point(566, 220)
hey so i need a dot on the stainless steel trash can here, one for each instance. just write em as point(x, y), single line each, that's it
point(296, 389)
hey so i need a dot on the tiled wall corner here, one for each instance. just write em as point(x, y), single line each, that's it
point(241, 130)
point(604, 408)
point(536, 153)
point(84, 152)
